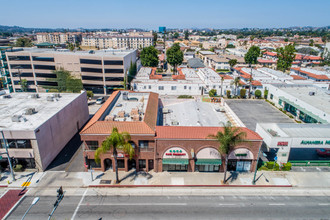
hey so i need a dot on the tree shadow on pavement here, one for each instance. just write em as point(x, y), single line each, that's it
point(233, 176)
point(135, 175)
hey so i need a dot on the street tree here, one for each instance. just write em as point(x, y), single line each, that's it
point(149, 57)
point(228, 138)
point(114, 142)
point(174, 56)
point(232, 62)
point(23, 42)
point(251, 57)
point(257, 93)
point(222, 79)
point(285, 57)
point(24, 85)
point(237, 83)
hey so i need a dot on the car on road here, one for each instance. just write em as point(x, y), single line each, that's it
point(100, 100)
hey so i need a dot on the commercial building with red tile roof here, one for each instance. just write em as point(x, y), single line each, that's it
point(160, 148)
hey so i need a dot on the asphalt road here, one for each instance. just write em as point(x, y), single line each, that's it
point(178, 207)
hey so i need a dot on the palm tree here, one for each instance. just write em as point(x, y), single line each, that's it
point(236, 82)
point(222, 79)
point(116, 141)
point(228, 139)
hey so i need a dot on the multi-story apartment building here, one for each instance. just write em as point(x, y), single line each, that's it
point(4, 73)
point(100, 71)
point(58, 38)
point(132, 40)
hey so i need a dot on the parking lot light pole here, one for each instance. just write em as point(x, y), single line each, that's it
point(9, 160)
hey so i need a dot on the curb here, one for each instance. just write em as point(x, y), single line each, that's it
point(3, 186)
point(164, 186)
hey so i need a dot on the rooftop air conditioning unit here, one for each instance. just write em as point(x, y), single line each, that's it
point(50, 98)
point(6, 96)
point(125, 95)
point(57, 95)
point(30, 111)
point(311, 93)
point(16, 118)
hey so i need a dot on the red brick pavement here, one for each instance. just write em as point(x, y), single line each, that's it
point(8, 200)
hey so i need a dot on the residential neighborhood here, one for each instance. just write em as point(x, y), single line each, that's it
point(148, 110)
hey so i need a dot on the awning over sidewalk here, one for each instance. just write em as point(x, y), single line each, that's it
point(175, 161)
point(208, 162)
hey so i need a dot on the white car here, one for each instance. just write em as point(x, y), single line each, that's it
point(100, 101)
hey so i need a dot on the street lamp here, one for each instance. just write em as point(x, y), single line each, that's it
point(35, 200)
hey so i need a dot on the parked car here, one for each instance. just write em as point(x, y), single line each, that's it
point(323, 152)
point(100, 101)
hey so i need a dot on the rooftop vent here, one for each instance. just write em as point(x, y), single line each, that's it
point(50, 98)
point(6, 96)
point(125, 95)
point(30, 111)
point(311, 93)
point(16, 118)
point(57, 95)
point(35, 96)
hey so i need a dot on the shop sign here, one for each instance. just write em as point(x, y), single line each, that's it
point(240, 155)
point(283, 143)
point(175, 153)
point(312, 142)
point(120, 155)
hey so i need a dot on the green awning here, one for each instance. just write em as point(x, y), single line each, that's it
point(208, 162)
point(175, 161)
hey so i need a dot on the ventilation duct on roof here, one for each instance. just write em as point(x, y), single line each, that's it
point(50, 98)
point(35, 96)
point(30, 111)
point(16, 118)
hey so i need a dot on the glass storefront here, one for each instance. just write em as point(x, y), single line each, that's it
point(239, 165)
point(175, 167)
point(208, 168)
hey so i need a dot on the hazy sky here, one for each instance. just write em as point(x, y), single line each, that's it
point(170, 13)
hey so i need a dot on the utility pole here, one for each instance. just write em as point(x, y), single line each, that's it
point(9, 160)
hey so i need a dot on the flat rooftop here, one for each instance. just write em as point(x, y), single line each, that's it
point(321, 99)
point(104, 53)
point(297, 130)
point(18, 104)
point(251, 112)
point(189, 112)
point(130, 107)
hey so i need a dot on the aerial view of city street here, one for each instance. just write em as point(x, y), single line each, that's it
point(165, 110)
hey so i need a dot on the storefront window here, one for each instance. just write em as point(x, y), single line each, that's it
point(208, 168)
point(175, 167)
point(93, 164)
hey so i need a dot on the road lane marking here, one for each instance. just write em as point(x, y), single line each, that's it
point(139, 204)
point(276, 204)
point(324, 204)
point(82, 198)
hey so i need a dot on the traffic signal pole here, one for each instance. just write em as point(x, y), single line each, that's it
point(60, 195)
point(9, 160)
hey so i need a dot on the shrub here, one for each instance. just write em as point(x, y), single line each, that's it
point(258, 93)
point(53, 90)
point(287, 166)
point(18, 168)
point(90, 94)
point(265, 94)
point(270, 165)
point(212, 92)
point(228, 94)
point(242, 93)
point(185, 97)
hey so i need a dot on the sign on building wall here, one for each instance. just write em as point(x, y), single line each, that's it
point(176, 152)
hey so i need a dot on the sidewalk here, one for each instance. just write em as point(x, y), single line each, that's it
point(54, 179)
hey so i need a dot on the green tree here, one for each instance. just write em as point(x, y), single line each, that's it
point(222, 79)
point(257, 93)
point(116, 141)
point(265, 94)
point(232, 62)
point(251, 57)
point(311, 42)
point(286, 40)
point(175, 35)
point(212, 92)
point(230, 46)
point(228, 94)
point(228, 139)
point(132, 72)
point(174, 56)
point(307, 50)
point(24, 85)
point(23, 42)
point(149, 57)
point(90, 94)
point(155, 35)
point(242, 93)
point(186, 35)
point(65, 82)
point(212, 49)
point(285, 57)
point(237, 83)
